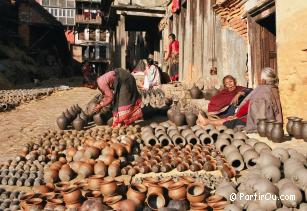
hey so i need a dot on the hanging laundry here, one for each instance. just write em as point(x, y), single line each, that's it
point(175, 6)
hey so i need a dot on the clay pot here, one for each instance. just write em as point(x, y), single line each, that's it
point(261, 146)
point(72, 195)
point(261, 126)
point(108, 187)
point(250, 158)
point(235, 160)
point(137, 193)
point(114, 201)
point(51, 176)
point(196, 193)
point(289, 125)
point(150, 140)
point(78, 123)
point(170, 114)
point(85, 170)
point(98, 119)
point(32, 204)
point(304, 130)
point(272, 173)
point(166, 182)
point(179, 119)
point(114, 169)
point(100, 169)
point(195, 92)
point(165, 140)
point(128, 205)
point(206, 139)
point(66, 173)
point(268, 159)
point(220, 144)
point(199, 207)
point(178, 140)
point(62, 122)
point(269, 127)
point(94, 182)
point(291, 166)
point(277, 133)
point(289, 189)
point(155, 201)
point(91, 153)
point(107, 159)
point(191, 119)
point(177, 191)
point(297, 128)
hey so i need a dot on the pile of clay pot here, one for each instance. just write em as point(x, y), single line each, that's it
point(181, 117)
point(9, 200)
point(77, 156)
point(10, 99)
point(155, 98)
point(278, 174)
point(274, 131)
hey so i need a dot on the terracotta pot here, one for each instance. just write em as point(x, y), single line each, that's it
point(192, 139)
point(94, 182)
point(221, 143)
point(108, 187)
point(272, 173)
point(52, 204)
point(107, 159)
point(62, 122)
point(191, 119)
point(199, 207)
point(114, 170)
point(261, 146)
point(78, 123)
point(261, 127)
point(51, 176)
point(269, 127)
point(155, 201)
point(128, 205)
point(250, 158)
point(214, 199)
point(85, 170)
point(179, 119)
point(137, 193)
point(177, 191)
point(91, 152)
point(150, 140)
point(165, 140)
point(196, 193)
point(214, 134)
point(277, 133)
point(98, 119)
point(289, 125)
point(66, 173)
point(235, 160)
point(290, 189)
point(267, 159)
point(170, 114)
point(166, 167)
point(100, 168)
point(178, 140)
point(72, 195)
point(113, 201)
point(154, 188)
point(297, 128)
point(304, 130)
point(32, 204)
point(166, 182)
point(195, 92)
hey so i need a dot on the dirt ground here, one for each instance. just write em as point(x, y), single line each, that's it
point(18, 126)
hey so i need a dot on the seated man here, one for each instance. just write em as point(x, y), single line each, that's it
point(261, 103)
point(225, 102)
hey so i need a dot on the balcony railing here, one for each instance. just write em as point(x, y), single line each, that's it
point(95, 1)
point(89, 20)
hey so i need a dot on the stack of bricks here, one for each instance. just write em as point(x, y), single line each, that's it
point(230, 12)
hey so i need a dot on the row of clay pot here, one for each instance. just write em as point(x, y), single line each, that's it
point(74, 116)
point(166, 134)
point(280, 172)
point(9, 200)
point(191, 157)
point(182, 118)
point(297, 128)
point(10, 99)
point(154, 98)
point(239, 150)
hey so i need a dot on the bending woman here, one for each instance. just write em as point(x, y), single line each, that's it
point(120, 91)
point(262, 103)
point(152, 75)
point(225, 102)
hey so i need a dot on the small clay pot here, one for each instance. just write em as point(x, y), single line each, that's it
point(72, 195)
point(94, 182)
point(100, 169)
point(179, 119)
point(78, 123)
point(137, 193)
point(191, 119)
point(269, 127)
point(297, 128)
point(114, 169)
point(289, 125)
point(66, 173)
point(108, 187)
point(196, 193)
point(177, 191)
point(250, 158)
point(304, 130)
point(155, 201)
point(62, 122)
point(195, 92)
point(85, 170)
point(261, 127)
point(277, 132)
point(98, 119)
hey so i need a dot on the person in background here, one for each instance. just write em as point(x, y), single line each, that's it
point(152, 75)
point(173, 57)
point(120, 91)
point(225, 102)
point(86, 71)
point(261, 103)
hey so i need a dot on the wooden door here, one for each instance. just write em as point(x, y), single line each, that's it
point(262, 39)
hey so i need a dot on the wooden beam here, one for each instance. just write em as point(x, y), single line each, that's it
point(160, 10)
point(144, 14)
